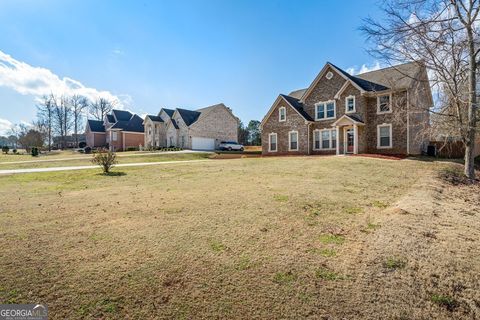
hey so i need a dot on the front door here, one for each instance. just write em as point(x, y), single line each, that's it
point(350, 141)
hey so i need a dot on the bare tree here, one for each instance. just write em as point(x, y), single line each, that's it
point(45, 115)
point(63, 117)
point(100, 108)
point(79, 105)
point(443, 35)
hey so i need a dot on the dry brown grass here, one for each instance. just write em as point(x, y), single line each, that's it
point(248, 238)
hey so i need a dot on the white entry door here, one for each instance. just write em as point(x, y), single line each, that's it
point(199, 143)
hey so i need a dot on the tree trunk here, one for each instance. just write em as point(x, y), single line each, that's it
point(472, 111)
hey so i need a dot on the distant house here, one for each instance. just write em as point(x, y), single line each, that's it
point(118, 131)
point(381, 111)
point(201, 129)
point(68, 141)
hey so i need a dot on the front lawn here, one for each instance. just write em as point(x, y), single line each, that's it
point(265, 238)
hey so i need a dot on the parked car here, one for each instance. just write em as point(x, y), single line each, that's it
point(230, 146)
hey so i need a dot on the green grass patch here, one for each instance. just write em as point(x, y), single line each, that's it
point(284, 277)
point(326, 274)
point(353, 210)
point(379, 204)
point(394, 263)
point(445, 301)
point(328, 252)
point(332, 239)
point(244, 263)
point(217, 246)
point(280, 198)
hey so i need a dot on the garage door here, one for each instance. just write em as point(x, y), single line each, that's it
point(203, 143)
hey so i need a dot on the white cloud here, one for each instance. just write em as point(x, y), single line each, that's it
point(37, 81)
point(5, 125)
point(364, 68)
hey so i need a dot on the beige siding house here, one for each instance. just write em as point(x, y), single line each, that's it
point(201, 129)
point(382, 111)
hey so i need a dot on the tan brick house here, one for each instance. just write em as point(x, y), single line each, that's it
point(119, 131)
point(382, 111)
point(201, 129)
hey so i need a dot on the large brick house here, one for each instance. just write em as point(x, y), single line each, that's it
point(118, 131)
point(382, 111)
point(201, 129)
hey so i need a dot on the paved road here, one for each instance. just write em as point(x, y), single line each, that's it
point(138, 164)
point(118, 155)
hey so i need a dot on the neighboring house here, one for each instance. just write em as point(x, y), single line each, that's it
point(119, 131)
point(201, 129)
point(67, 141)
point(382, 111)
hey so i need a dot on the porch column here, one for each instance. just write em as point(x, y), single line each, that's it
point(355, 139)
point(338, 139)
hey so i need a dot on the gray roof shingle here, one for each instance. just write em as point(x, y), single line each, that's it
point(188, 116)
point(297, 105)
point(122, 115)
point(96, 125)
point(154, 118)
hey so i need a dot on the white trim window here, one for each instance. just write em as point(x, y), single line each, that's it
point(282, 114)
point(384, 136)
point(325, 139)
point(325, 110)
point(384, 104)
point(272, 142)
point(293, 141)
point(350, 104)
point(114, 136)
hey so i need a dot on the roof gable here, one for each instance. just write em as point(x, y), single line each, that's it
point(121, 115)
point(154, 118)
point(188, 116)
point(168, 112)
point(294, 103)
point(96, 125)
point(361, 84)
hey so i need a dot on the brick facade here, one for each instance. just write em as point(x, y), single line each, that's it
point(366, 115)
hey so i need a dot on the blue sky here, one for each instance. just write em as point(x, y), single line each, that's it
point(191, 54)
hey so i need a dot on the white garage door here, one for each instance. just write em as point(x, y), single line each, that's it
point(203, 143)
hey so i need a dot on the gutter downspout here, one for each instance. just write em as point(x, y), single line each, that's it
point(308, 137)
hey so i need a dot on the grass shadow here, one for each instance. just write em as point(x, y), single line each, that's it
point(113, 174)
point(455, 176)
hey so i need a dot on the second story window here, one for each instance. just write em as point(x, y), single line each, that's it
point(383, 104)
point(282, 114)
point(350, 104)
point(325, 110)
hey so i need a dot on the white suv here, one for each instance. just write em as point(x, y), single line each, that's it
point(230, 145)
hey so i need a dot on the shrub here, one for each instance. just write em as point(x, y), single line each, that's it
point(34, 152)
point(105, 159)
point(5, 149)
point(87, 150)
point(132, 149)
point(14, 151)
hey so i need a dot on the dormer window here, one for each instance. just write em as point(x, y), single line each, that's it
point(282, 114)
point(325, 110)
point(384, 104)
point(350, 104)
